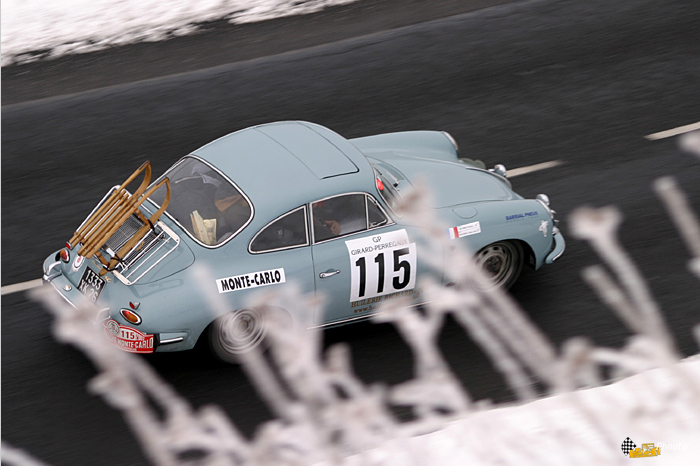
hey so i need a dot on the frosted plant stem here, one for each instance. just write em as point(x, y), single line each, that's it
point(15, 457)
point(611, 251)
point(266, 383)
point(599, 227)
point(526, 338)
point(681, 214)
point(518, 380)
point(613, 297)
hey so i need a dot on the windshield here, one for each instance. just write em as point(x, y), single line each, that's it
point(204, 202)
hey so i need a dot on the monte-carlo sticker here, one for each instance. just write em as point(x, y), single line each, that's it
point(127, 338)
point(251, 280)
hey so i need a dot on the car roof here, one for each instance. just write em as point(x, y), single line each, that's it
point(285, 164)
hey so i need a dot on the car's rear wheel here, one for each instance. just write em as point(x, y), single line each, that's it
point(502, 261)
point(236, 333)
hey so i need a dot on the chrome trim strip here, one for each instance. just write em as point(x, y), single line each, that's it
point(452, 140)
point(338, 322)
point(365, 316)
point(170, 341)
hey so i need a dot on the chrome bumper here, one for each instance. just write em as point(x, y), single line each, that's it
point(559, 247)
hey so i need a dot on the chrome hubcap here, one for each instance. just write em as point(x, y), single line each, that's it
point(498, 260)
point(241, 331)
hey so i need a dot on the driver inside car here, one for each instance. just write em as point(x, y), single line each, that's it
point(339, 216)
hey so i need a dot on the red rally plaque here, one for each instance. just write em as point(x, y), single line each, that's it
point(128, 338)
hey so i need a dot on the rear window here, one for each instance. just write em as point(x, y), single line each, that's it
point(204, 202)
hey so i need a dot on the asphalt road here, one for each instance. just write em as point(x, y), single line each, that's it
point(578, 81)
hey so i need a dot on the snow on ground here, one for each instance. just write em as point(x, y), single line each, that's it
point(54, 28)
point(556, 430)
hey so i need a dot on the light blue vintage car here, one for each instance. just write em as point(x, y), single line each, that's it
point(280, 203)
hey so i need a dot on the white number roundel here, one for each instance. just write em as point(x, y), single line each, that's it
point(381, 264)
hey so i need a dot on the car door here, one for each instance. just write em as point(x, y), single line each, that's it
point(282, 252)
point(360, 257)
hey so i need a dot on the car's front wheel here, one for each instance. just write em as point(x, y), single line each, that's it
point(236, 333)
point(502, 261)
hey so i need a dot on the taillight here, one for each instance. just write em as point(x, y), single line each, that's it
point(65, 255)
point(380, 185)
point(130, 316)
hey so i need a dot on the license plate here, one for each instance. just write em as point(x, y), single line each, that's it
point(91, 284)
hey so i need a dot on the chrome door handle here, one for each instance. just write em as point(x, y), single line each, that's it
point(328, 274)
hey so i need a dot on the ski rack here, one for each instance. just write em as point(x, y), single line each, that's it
point(108, 218)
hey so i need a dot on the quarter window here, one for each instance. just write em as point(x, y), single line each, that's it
point(344, 215)
point(286, 232)
point(375, 215)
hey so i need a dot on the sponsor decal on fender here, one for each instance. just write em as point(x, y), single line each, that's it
point(523, 216)
point(128, 339)
point(467, 229)
point(250, 280)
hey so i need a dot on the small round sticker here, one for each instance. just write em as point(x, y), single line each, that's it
point(112, 327)
point(77, 262)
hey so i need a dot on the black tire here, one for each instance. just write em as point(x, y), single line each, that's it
point(236, 333)
point(502, 261)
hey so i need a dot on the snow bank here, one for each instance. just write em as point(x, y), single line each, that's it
point(33, 29)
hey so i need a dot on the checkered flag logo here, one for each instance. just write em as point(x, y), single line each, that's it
point(627, 446)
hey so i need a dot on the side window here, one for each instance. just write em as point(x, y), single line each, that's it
point(286, 232)
point(375, 216)
point(340, 215)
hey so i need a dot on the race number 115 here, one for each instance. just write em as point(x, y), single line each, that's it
point(383, 268)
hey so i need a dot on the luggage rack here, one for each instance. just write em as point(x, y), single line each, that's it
point(118, 233)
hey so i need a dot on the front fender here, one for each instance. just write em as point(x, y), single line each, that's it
point(523, 220)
